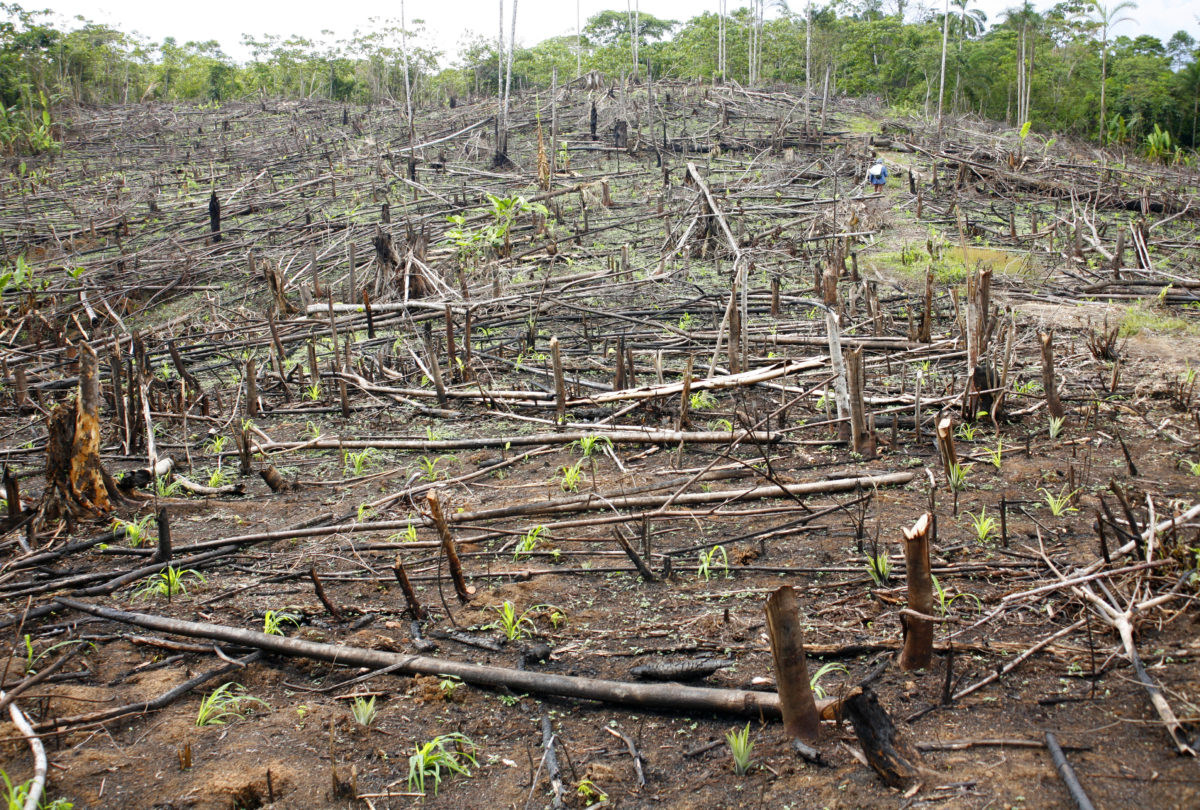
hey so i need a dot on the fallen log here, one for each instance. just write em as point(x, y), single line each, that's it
point(621, 436)
point(642, 696)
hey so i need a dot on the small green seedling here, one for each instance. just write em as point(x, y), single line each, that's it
point(702, 401)
point(528, 543)
point(709, 563)
point(274, 621)
point(825, 669)
point(740, 748)
point(983, 524)
point(996, 456)
point(945, 601)
point(586, 789)
point(880, 568)
point(356, 463)
point(448, 684)
point(1056, 425)
point(364, 710)
point(136, 531)
point(168, 582)
point(449, 753)
point(1059, 504)
point(224, 704)
point(514, 626)
point(958, 476)
point(164, 487)
point(571, 476)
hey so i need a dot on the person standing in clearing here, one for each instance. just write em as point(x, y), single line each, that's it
point(877, 176)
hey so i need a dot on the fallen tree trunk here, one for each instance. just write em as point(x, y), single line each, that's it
point(622, 436)
point(643, 696)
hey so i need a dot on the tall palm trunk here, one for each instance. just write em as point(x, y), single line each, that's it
point(942, 78)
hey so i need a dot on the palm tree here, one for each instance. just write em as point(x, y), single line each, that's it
point(1023, 19)
point(942, 72)
point(970, 23)
point(1105, 18)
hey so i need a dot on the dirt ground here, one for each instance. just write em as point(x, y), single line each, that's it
point(297, 744)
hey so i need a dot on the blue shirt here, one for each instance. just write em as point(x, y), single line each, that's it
point(878, 179)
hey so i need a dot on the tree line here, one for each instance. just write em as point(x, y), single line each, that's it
point(1072, 68)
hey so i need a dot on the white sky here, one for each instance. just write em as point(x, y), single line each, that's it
point(447, 20)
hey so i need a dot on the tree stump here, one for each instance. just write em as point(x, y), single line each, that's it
point(893, 759)
point(77, 485)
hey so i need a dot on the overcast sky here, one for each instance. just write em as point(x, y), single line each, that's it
point(448, 20)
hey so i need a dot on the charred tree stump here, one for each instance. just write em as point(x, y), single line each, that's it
point(896, 762)
point(621, 134)
point(862, 425)
point(77, 485)
point(1048, 381)
point(801, 719)
point(461, 588)
point(918, 632)
point(410, 596)
point(163, 521)
point(214, 217)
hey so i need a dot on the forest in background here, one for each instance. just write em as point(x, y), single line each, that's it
point(1071, 69)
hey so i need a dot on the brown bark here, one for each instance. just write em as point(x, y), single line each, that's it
point(461, 588)
point(1048, 377)
point(800, 716)
point(918, 633)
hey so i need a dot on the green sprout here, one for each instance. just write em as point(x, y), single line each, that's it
point(983, 524)
point(709, 564)
point(528, 543)
point(570, 477)
point(996, 456)
point(825, 669)
point(880, 569)
point(225, 703)
point(1059, 504)
point(958, 476)
point(740, 747)
point(168, 582)
point(449, 753)
point(514, 626)
point(135, 530)
point(356, 463)
point(1056, 425)
point(364, 710)
point(274, 621)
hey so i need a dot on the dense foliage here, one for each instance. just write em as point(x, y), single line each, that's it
point(1067, 69)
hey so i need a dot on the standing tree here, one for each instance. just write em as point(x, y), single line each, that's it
point(969, 19)
point(1025, 21)
point(942, 76)
point(1104, 18)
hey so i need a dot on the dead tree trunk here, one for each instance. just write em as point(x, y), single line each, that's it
point(918, 632)
point(800, 716)
point(1048, 381)
point(892, 758)
point(77, 485)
